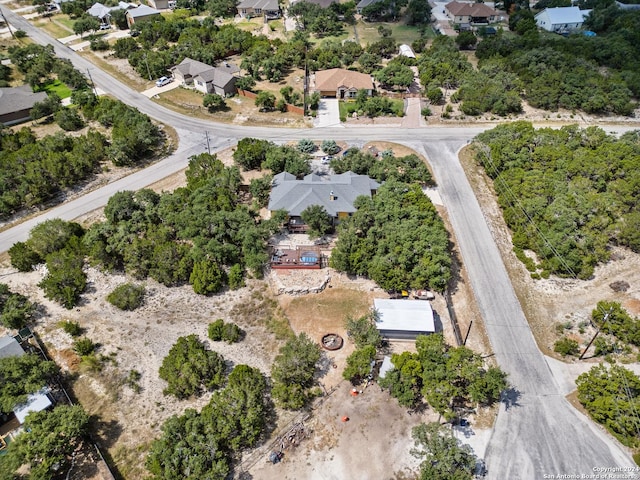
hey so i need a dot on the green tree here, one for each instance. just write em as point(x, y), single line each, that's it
point(190, 367)
point(46, 107)
point(359, 364)
point(188, 449)
point(69, 119)
point(265, 101)
point(566, 346)
point(466, 40)
point(227, 331)
point(395, 75)
point(65, 280)
point(213, 102)
point(52, 235)
point(293, 370)
point(306, 145)
point(207, 277)
point(236, 276)
point(610, 395)
point(48, 441)
point(246, 83)
point(84, 346)
point(363, 331)
point(23, 257)
point(21, 376)
point(127, 296)
point(15, 309)
point(330, 147)
point(250, 153)
point(318, 220)
point(443, 456)
point(86, 23)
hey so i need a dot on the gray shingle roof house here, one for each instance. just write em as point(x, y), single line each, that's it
point(16, 102)
point(362, 4)
point(336, 194)
point(143, 12)
point(255, 8)
point(205, 78)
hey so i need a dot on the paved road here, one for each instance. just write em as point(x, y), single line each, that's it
point(537, 432)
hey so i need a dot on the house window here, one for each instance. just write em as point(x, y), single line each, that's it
point(200, 83)
point(258, 10)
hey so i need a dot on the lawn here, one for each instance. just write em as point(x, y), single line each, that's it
point(58, 88)
point(58, 27)
point(401, 33)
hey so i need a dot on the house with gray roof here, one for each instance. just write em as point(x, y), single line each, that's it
point(270, 9)
point(17, 102)
point(336, 194)
point(561, 19)
point(362, 4)
point(140, 13)
point(205, 78)
point(103, 13)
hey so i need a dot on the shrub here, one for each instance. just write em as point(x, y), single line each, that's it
point(306, 146)
point(84, 346)
point(99, 44)
point(236, 277)
point(23, 257)
point(127, 296)
point(69, 119)
point(565, 346)
point(228, 332)
point(72, 328)
point(330, 147)
point(425, 112)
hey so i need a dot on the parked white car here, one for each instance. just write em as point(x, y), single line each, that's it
point(161, 82)
point(105, 26)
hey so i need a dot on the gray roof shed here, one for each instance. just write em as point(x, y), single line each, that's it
point(9, 347)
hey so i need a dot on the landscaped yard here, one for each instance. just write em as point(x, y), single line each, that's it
point(58, 88)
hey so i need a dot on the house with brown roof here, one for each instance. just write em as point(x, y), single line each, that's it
point(342, 83)
point(462, 13)
point(205, 78)
point(17, 102)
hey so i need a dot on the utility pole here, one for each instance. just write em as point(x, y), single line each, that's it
point(604, 321)
point(95, 91)
point(8, 25)
point(147, 64)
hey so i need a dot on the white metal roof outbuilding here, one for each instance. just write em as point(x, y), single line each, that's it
point(404, 319)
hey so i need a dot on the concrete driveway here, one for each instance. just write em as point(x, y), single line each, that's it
point(328, 113)
point(156, 90)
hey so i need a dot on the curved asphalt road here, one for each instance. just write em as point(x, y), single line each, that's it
point(537, 434)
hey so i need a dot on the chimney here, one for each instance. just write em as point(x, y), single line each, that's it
point(331, 196)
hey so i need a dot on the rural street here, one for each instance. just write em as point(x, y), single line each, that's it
point(537, 432)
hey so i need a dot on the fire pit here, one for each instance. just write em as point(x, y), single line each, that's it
point(332, 341)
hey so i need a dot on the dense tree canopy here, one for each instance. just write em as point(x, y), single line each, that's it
point(566, 194)
point(396, 238)
point(21, 376)
point(443, 456)
point(47, 442)
point(292, 371)
point(203, 446)
point(15, 309)
point(613, 319)
point(610, 395)
point(443, 376)
point(190, 368)
point(203, 228)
